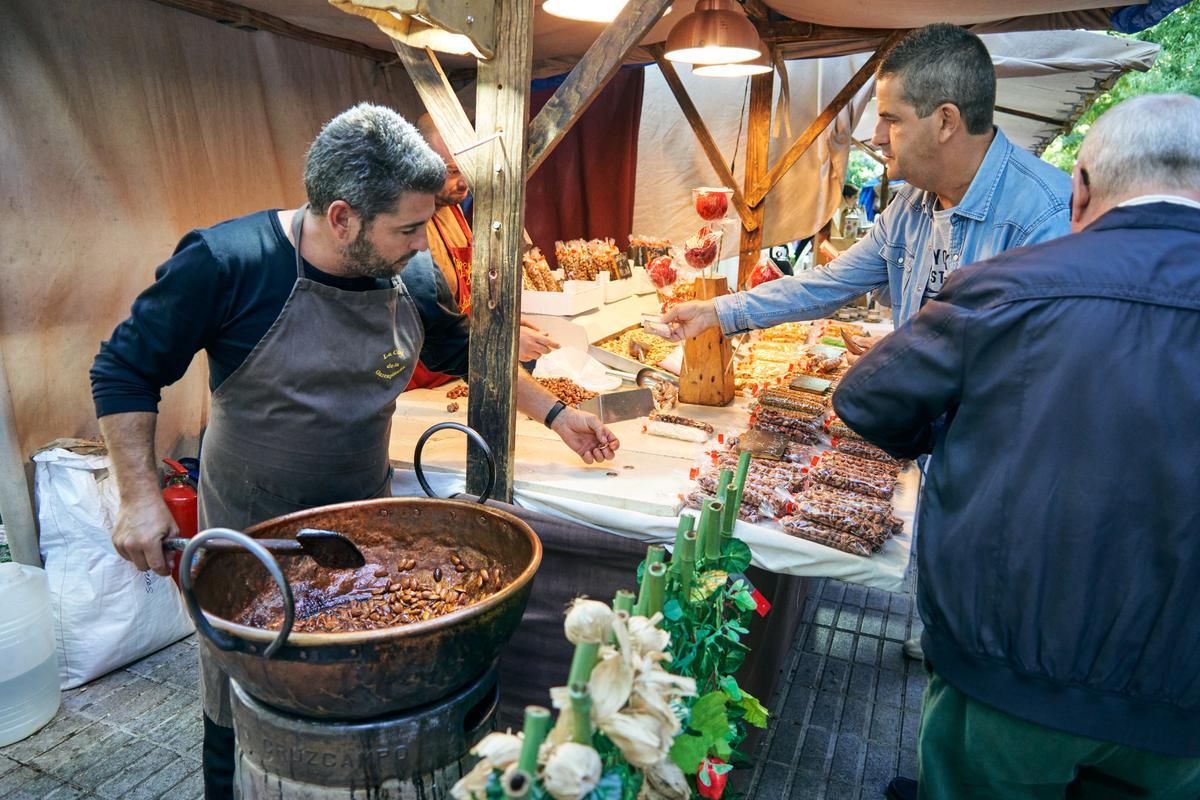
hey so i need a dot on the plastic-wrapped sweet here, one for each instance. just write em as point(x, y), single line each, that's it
point(711, 202)
point(662, 272)
point(700, 251)
point(762, 273)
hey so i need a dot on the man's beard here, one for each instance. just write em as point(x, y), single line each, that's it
point(363, 259)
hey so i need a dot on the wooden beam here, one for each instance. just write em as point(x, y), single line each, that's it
point(502, 104)
point(248, 19)
point(794, 31)
point(758, 143)
point(805, 140)
point(1016, 112)
point(749, 222)
point(589, 76)
point(442, 103)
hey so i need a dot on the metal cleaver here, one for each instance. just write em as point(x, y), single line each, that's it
point(622, 405)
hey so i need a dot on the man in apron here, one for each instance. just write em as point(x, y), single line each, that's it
point(451, 245)
point(310, 338)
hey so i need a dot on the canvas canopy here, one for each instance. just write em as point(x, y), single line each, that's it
point(121, 130)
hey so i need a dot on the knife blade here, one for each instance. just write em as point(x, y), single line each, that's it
point(619, 406)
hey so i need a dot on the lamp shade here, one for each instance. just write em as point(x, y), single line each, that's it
point(742, 69)
point(585, 10)
point(717, 32)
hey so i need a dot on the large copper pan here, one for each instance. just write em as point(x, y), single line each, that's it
point(355, 675)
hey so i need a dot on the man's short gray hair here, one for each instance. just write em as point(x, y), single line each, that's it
point(369, 156)
point(943, 63)
point(1146, 145)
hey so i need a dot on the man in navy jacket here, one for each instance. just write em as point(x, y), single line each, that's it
point(1057, 387)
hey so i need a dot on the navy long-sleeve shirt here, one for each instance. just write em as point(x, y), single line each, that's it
point(220, 292)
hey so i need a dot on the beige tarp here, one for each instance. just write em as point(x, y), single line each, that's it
point(123, 125)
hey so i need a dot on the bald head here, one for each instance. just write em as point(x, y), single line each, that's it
point(1146, 145)
point(455, 190)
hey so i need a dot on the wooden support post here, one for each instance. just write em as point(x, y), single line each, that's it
point(702, 135)
point(442, 103)
point(805, 140)
point(758, 141)
point(588, 78)
point(885, 192)
point(502, 103)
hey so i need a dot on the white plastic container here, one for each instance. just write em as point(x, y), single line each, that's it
point(29, 693)
point(575, 298)
point(615, 290)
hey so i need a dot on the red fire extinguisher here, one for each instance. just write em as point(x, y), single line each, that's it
point(180, 497)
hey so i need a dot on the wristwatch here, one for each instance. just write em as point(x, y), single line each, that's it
point(554, 411)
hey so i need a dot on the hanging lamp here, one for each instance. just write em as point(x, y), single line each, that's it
point(717, 32)
point(742, 69)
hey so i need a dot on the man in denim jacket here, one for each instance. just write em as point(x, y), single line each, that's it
point(971, 194)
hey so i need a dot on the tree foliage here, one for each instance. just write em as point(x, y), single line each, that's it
point(1177, 70)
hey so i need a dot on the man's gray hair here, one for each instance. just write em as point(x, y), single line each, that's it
point(1146, 145)
point(943, 63)
point(369, 156)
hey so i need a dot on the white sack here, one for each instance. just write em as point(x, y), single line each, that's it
point(106, 612)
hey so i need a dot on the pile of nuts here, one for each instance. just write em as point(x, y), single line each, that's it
point(457, 392)
point(396, 600)
point(566, 390)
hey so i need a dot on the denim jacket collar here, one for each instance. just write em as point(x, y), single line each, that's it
point(977, 202)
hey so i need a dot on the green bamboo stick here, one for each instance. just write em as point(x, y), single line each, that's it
point(581, 706)
point(706, 514)
point(723, 479)
point(583, 662)
point(655, 588)
point(517, 784)
point(686, 523)
point(687, 567)
point(712, 536)
point(730, 516)
point(537, 723)
point(655, 554)
point(743, 468)
point(623, 601)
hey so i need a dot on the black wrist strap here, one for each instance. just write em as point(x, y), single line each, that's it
point(554, 411)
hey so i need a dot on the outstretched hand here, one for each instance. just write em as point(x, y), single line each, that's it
point(586, 435)
point(690, 319)
point(533, 342)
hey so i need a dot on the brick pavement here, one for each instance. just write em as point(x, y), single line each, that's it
point(133, 734)
point(846, 714)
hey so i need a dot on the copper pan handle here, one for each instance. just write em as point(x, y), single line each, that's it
point(221, 640)
point(474, 436)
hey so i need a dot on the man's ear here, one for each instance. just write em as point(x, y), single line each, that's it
point(1081, 198)
point(342, 220)
point(949, 120)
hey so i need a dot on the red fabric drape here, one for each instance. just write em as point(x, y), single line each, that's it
point(584, 189)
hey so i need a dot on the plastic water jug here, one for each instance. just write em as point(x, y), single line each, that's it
point(29, 689)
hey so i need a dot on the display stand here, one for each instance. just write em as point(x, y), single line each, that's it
point(707, 375)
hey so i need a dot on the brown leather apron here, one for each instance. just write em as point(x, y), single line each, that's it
point(304, 421)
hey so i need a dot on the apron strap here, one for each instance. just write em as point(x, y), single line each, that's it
point(297, 230)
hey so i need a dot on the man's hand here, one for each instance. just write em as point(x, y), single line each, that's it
point(691, 318)
point(585, 434)
point(141, 527)
point(533, 343)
